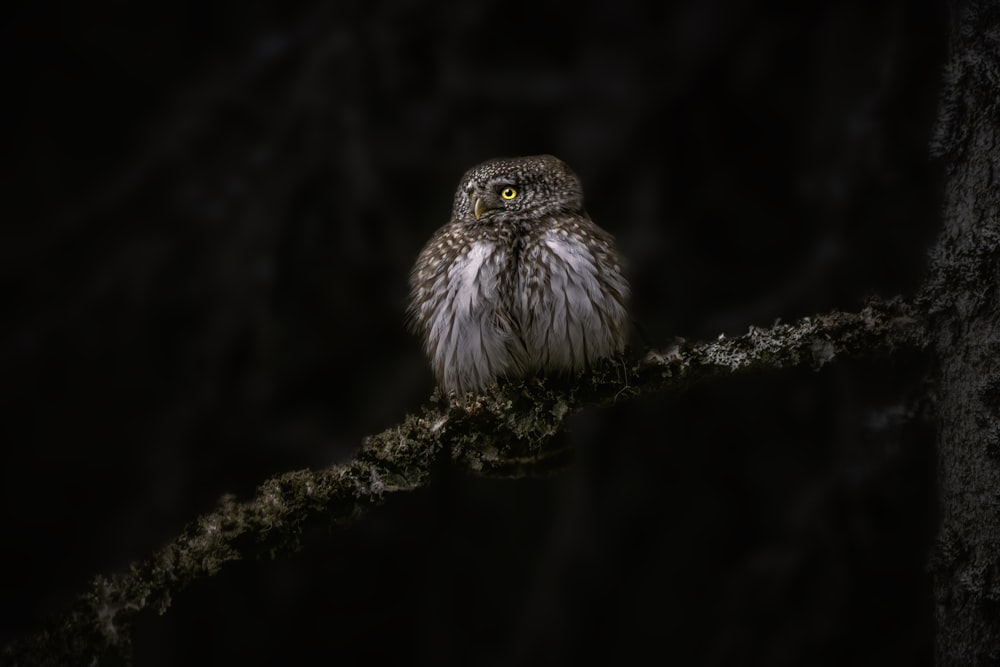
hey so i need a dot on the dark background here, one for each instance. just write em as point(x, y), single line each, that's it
point(205, 249)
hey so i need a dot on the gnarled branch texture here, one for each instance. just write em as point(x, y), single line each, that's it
point(508, 431)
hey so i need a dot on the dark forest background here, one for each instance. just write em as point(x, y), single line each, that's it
point(208, 221)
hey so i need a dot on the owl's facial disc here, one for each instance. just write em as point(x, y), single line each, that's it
point(491, 197)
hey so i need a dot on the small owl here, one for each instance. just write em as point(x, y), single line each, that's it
point(521, 281)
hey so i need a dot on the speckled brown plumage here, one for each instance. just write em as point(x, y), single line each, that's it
point(520, 281)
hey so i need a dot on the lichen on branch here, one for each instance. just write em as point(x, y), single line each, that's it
point(509, 430)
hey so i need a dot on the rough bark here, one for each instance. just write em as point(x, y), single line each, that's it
point(964, 297)
point(508, 431)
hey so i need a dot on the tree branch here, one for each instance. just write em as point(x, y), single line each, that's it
point(507, 431)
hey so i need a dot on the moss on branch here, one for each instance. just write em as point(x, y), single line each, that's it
point(507, 431)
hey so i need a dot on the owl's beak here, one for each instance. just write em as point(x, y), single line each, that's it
point(480, 207)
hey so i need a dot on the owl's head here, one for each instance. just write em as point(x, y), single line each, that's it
point(517, 188)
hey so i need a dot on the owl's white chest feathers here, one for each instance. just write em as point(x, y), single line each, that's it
point(549, 307)
point(469, 335)
point(573, 311)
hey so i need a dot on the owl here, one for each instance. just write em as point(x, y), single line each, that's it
point(520, 282)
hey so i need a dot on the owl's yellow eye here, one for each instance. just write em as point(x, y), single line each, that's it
point(508, 193)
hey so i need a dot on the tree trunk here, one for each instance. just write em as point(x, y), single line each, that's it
point(964, 295)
